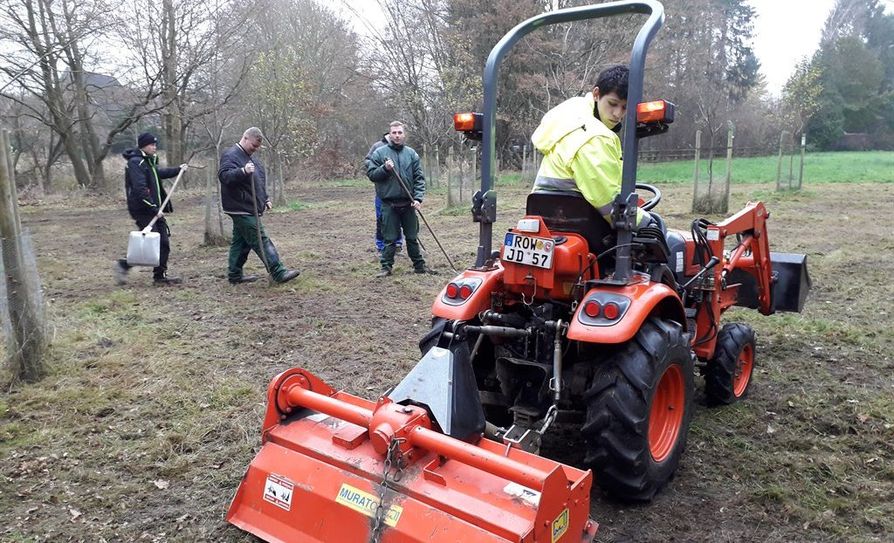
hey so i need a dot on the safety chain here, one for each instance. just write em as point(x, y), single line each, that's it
point(551, 415)
point(533, 292)
point(393, 459)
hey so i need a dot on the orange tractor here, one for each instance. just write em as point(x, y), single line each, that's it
point(574, 319)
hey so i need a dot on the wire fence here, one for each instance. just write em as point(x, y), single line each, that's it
point(22, 314)
point(459, 168)
point(689, 153)
point(23, 318)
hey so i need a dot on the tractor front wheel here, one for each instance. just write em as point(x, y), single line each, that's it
point(728, 374)
point(639, 405)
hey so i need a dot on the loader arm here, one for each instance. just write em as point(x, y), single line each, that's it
point(748, 275)
point(752, 255)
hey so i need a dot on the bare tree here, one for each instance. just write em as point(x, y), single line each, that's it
point(32, 139)
point(86, 116)
point(801, 95)
point(191, 34)
point(214, 106)
point(301, 84)
point(31, 24)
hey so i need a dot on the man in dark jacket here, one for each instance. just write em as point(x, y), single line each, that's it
point(397, 173)
point(380, 241)
point(238, 171)
point(145, 195)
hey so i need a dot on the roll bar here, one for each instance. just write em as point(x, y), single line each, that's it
point(485, 199)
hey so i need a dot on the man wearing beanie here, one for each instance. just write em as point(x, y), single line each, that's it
point(145, 194)
point(243, 196)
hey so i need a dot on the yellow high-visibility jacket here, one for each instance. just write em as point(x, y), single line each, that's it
point(580, 154)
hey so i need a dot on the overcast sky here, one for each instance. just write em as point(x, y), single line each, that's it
point(784, 32)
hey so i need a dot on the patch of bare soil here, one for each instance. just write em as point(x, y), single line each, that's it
point(153, 412)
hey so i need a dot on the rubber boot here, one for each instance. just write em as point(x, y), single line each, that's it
point(275, 268)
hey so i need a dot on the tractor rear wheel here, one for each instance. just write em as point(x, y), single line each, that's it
point(639, 405)
point(728, 374)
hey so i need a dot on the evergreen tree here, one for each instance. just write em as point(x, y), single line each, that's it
point(856, 60)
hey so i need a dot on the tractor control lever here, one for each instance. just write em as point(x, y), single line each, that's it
point(711, 263)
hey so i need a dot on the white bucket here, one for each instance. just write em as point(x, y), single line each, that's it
point(144, 248)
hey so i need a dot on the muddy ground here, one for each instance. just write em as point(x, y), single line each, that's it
point(153, 408)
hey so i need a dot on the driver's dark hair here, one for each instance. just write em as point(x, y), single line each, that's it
point(613, 79)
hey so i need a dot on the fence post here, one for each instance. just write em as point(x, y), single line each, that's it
point(791, 161)
point(474, 158)
point(730, 135)
point(28, 338)
point(451, 197)
point(437, 165)
point(209, 188)
point(524, 167)
point(462, 173)
point(801, 167)
point(11, 171)
point(426, 166)
point(698, 157)
point(779, 163)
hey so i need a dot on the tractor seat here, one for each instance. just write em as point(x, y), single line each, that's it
point(571, 212)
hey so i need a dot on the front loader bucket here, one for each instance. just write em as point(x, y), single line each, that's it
point(319, 478)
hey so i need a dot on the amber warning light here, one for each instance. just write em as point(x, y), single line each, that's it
point(657, 111)
point(469, 124)
point(653, 118)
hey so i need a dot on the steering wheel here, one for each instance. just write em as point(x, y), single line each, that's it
point(656, 195)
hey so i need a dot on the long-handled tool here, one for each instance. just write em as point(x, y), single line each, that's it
point(421, 216)
point(144, 246)
point(261, 251)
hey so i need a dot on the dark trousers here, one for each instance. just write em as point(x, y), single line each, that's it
point(245, 240)
point(164, 232)
point(380, 240)
point(395, 218)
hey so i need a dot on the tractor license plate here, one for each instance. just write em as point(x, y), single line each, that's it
point(528, 250)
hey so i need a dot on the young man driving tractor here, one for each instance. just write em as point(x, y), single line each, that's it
point(580, 145)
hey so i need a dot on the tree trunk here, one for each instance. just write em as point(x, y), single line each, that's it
point(173, 119)
point(214, 235)
point(82, 175)
point(89, 143)
point(280, 170)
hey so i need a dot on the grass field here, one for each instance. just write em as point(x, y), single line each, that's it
point(852, 167)
point(819, 168)
point(153, 407)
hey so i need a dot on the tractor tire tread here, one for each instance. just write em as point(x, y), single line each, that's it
point(720, 370)
point(618, 402)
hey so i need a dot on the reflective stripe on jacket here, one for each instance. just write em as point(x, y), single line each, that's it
point(580, 154)
point(142, 183)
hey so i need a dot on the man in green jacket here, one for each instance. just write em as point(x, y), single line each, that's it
point(397, 174)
